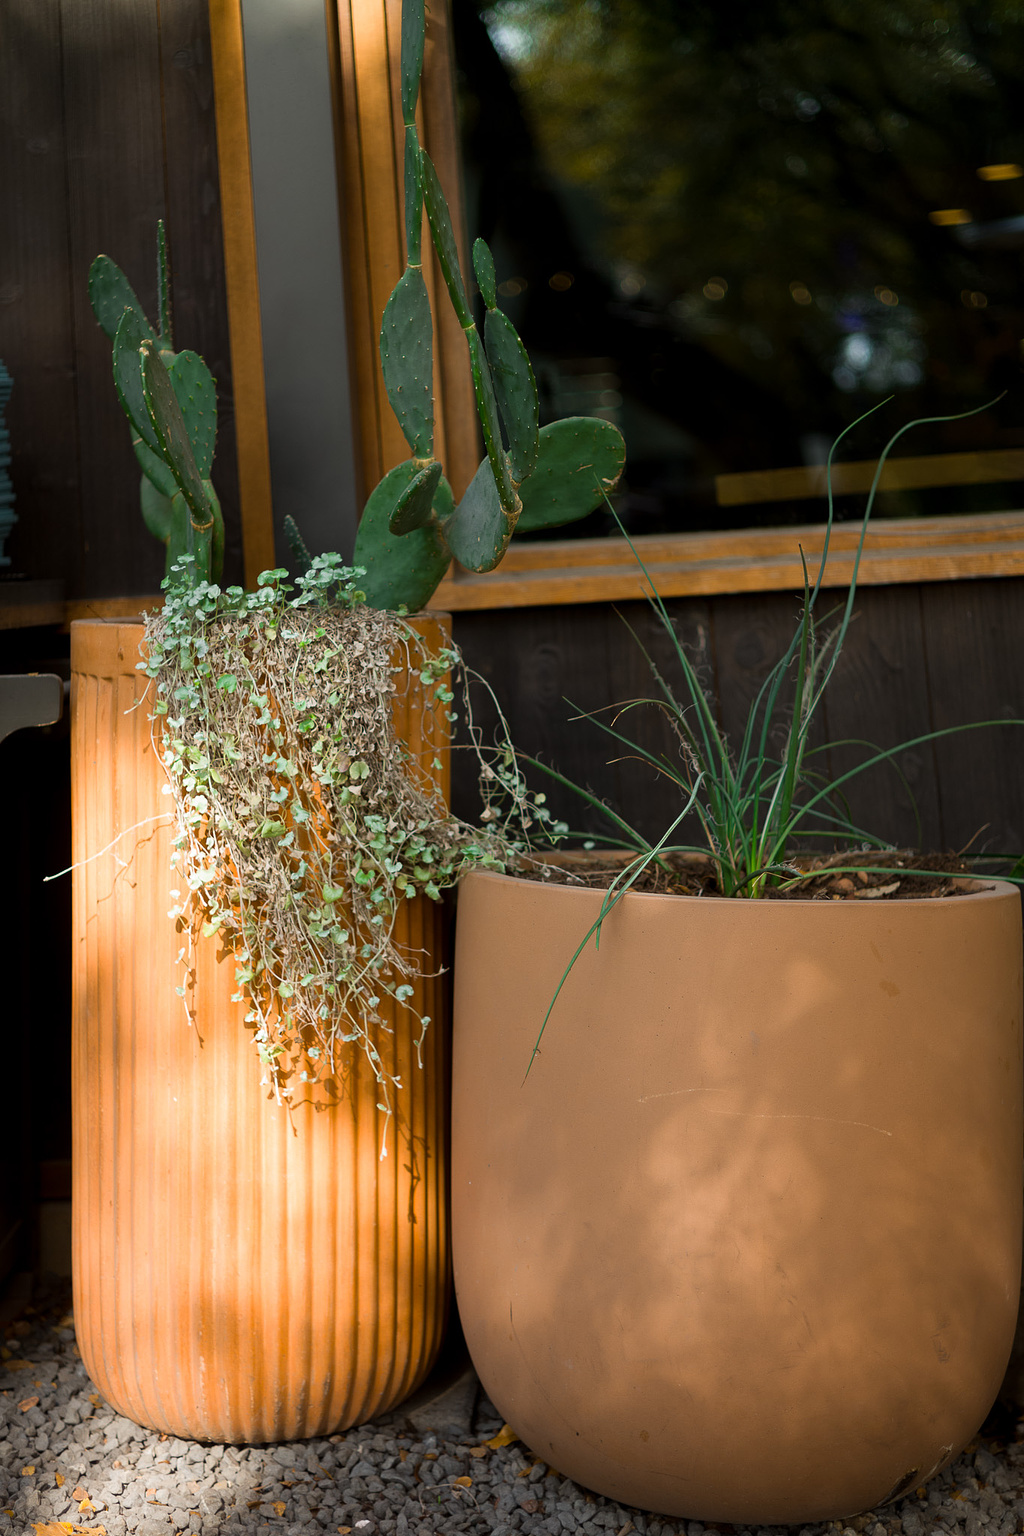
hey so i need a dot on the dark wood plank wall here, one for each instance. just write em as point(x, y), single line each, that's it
point(917, 659)
point(107, 125)
point(73, 74)
point(106, 109)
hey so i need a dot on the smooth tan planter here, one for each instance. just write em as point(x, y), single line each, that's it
point(240, 1273)
point(745, 1245)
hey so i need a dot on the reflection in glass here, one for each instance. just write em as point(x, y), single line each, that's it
point(732, 229)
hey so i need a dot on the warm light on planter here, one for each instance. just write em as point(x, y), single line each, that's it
point(745, 1244)
point(243, 1272)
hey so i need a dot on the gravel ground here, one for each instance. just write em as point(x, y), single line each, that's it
point(69, 1463)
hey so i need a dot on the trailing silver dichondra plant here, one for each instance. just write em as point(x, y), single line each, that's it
point(302, 822)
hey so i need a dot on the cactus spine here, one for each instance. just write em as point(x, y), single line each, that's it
point(170, 401)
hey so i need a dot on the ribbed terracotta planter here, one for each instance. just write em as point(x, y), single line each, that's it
point(745, 1244)
point(241, 1273)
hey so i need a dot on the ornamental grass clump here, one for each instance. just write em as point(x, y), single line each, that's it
point(302, 822)
point(758, 807)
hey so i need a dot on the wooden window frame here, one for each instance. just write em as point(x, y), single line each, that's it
point(364, 36)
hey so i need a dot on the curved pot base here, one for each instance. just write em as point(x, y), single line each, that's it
point(745, 1243)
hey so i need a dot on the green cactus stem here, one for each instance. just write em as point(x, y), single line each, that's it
point(110, 294)
point(163, 287)
point(478, 532)
point(406, 355)
point(579, 463)
point(157, 510)
point(174, 425)
point(401, 571)
point(196, 395)
point(530, 478)
point(415, 505)
point(483, 266)
point(175, 448)
point(128, 340)
point(515, 389)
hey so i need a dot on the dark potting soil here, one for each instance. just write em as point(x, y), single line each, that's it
point(890, 875)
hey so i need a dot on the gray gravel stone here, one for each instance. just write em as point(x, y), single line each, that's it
point(396, 1477)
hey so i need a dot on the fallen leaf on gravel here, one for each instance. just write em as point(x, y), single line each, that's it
point(17, 1365)
point(463, 1482)
point(505, 1436)
point(86, 1507)
point(67, 1320)
point(28, 1471)
point(27, 1403)
point(65, 1528)
point(344, 1530)
point(58, 1478)
point(478, 1450)
point(79, 1492)
point(278, 1508)
point(94, 1398)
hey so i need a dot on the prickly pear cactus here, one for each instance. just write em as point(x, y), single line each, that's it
point(530, 478)
point(170, 401)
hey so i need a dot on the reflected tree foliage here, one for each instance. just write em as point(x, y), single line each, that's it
point(739, 226)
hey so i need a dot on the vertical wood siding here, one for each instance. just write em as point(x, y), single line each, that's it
point(917, 659)
point(109, 125)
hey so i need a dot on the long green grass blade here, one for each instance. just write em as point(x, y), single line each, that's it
point(634, 837)
point(890, 752)
point(618, 888)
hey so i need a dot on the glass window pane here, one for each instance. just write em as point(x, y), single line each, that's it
point(733, 229)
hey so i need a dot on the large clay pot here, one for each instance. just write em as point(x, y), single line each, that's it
point(745, 1243)
point(241, 1272)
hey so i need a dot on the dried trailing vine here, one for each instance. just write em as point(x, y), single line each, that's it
point(302, 824)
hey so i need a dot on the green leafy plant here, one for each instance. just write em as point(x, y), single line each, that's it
point(411, 527)
point(170, 401)
point(302, 823)
point(531, 476)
